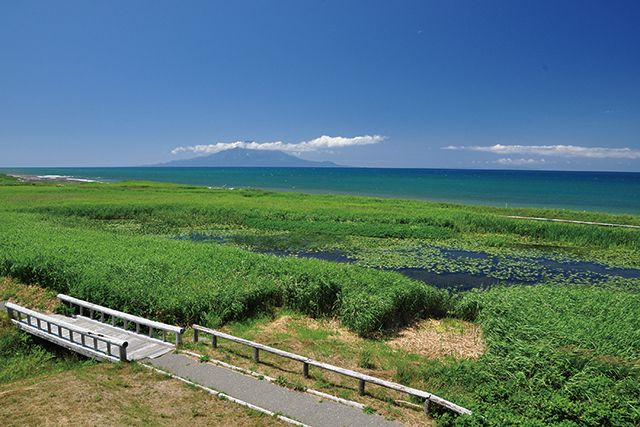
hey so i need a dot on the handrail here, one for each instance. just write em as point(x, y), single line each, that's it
point(151, 324)
point(60, 325)
point(307, 361)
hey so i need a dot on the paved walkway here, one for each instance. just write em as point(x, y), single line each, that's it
point(308, 409)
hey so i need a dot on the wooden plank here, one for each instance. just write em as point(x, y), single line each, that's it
point(150, 352)
point(116, 331)
point(140, 346)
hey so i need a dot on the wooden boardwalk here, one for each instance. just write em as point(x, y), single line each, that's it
point(92, 337)
point(139, 346)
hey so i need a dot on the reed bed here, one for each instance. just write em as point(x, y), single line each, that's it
point(556, 355)
point(179, 282)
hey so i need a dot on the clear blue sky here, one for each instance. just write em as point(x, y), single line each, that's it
point(420, 84)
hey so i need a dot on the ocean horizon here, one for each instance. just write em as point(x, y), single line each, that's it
point(610, 192)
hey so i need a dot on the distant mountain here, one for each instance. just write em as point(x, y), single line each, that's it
point(241, 157)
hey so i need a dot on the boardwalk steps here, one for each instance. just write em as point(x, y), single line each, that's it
point(91, 337)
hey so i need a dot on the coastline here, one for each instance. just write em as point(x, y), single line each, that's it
point(614, 193)
point(47, 178)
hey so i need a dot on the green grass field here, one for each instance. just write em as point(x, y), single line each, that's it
point(556, 354)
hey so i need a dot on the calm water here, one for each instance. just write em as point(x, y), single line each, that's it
point(613, 192)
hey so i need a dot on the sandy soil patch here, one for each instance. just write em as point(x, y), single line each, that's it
point(434, 339)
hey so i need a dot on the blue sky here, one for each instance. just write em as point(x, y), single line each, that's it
point(420, 84)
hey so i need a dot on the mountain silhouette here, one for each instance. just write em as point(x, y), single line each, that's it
point(242, 157)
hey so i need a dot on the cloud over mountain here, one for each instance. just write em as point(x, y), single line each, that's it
point(318, 144)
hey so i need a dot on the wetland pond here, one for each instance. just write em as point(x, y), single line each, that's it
point(453, 269)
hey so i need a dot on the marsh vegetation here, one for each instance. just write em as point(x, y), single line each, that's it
point(560, 350)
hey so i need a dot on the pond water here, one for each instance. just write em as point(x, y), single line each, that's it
point(507, 270)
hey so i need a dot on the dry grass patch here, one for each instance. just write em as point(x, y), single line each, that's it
point(31, 296)
point(118, 395)
point(435, 339)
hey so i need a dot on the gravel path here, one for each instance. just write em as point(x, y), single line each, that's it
point(299, 406)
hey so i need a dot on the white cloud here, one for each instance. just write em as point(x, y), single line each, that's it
point(556, 150)
point(324, 142)
point(520, 162)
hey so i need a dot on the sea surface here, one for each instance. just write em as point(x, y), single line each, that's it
point(611, 192)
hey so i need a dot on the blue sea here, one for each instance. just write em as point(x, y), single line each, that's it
point(611, 192)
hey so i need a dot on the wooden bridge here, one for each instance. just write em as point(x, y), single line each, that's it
point(98, 332)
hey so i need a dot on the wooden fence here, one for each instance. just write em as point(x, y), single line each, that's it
point(90, 344)
point(306, 362)
point(603, 224)
point(126, 318)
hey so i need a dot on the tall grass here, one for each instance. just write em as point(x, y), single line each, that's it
point(556, 356)
point(182, 282)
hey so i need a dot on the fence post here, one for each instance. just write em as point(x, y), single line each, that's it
point(305, 369)
point(427, 406)
point(195, 336)
point(123, 352)
point(214, 341)
point(256, 354)
point(361, 387)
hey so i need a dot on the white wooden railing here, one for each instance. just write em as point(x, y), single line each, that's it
point(306, 362)
point(126, 318)
point(53, 329)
